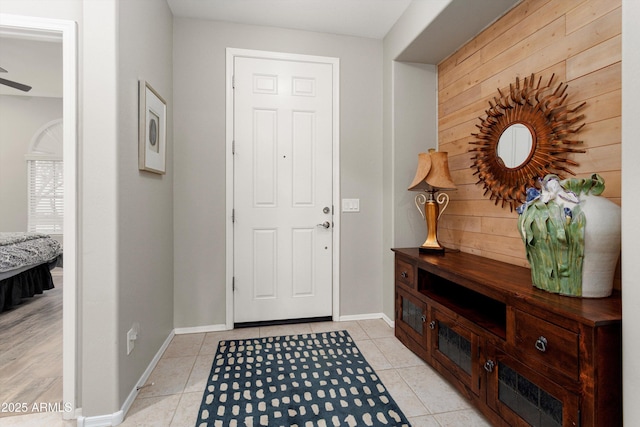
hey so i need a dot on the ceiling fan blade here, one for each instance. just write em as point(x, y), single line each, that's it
point(15, 85)
point(2, 70)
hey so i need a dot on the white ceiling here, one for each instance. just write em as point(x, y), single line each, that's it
point(36, 60)
point(363, 18)
point(457, 23)
point(460, 20)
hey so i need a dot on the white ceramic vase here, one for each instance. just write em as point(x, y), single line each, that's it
point(571, 236)
point(601, 245)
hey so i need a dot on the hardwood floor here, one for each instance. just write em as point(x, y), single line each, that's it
point(31, 351)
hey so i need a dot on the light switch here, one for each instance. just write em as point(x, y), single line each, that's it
point(350, 205)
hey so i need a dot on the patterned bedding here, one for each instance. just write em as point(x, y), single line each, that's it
point(20, 250)
point(25, 263)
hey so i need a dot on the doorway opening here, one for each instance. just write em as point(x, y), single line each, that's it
point(64, 32)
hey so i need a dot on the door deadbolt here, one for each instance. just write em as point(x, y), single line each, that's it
point(326, 209)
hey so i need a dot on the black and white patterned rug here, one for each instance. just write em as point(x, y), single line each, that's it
point(305, 380)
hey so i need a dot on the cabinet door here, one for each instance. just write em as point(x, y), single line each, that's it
point(523, 397)
point(456, 348)
point(411, 318)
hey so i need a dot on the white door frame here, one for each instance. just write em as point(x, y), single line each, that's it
point(335, 63)
point(67, 32)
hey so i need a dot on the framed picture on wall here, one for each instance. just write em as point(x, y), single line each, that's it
point(152, 132)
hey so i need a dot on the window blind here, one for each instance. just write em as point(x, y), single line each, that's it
point(45, 196)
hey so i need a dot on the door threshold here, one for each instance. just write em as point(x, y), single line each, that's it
point(282, 322)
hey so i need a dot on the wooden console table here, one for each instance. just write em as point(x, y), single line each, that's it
point(523, 356)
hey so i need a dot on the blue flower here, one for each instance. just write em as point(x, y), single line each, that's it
point(568, 215)
point(532, 194)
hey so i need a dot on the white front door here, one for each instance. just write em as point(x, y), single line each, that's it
point(283, 215)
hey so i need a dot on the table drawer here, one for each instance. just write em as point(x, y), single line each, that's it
point(548, 346)
point(405, 272)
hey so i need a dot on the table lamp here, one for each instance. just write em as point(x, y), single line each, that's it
point(431, 178)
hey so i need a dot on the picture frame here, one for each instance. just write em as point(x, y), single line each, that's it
point(152, 129)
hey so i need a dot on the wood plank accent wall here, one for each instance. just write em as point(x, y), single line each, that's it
point(579, 41)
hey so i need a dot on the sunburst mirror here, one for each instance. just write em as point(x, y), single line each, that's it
point(525, 135)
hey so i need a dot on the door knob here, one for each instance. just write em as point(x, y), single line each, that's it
point(325, 224)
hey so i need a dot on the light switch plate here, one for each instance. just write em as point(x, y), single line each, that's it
point(131, 338)
point(350, 205)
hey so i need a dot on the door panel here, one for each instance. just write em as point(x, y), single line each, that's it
point(412, 320)
point(265, 182)
point(457, 349)
point(523, 397)
point(303, 244)
point(303, 161)
point(283, 179)
point(264, 264)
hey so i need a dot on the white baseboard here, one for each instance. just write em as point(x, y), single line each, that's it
point(201, 329)
point(118, 417)
point(368, 316)
point(100, 420)
point(390, 322)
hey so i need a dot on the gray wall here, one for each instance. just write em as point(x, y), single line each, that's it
point(59, 9)
point(630, 207)
point(199, 198)
point(145, 200)
point(410, 127)
point(127, 221)
point(414, 132)
point(98, 287)
point(20, 118)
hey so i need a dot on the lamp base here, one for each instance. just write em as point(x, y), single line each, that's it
point(431, 214)
point(431, 250)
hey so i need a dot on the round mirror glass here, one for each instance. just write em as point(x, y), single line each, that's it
point(515, 145)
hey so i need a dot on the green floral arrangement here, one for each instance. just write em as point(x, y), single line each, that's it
point(552, 227)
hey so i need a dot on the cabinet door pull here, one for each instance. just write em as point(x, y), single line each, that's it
point(424, 318)
point(404, 274)
point(541, 344)
point(432, 324)
point(489, 365)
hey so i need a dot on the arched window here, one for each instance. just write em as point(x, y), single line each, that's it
point(45, 180)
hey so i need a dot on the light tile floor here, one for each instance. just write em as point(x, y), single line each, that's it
point(180, 377)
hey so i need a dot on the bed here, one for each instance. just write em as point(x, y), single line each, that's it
point(26, 261)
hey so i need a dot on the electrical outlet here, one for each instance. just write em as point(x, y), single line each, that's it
point(132, 336)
